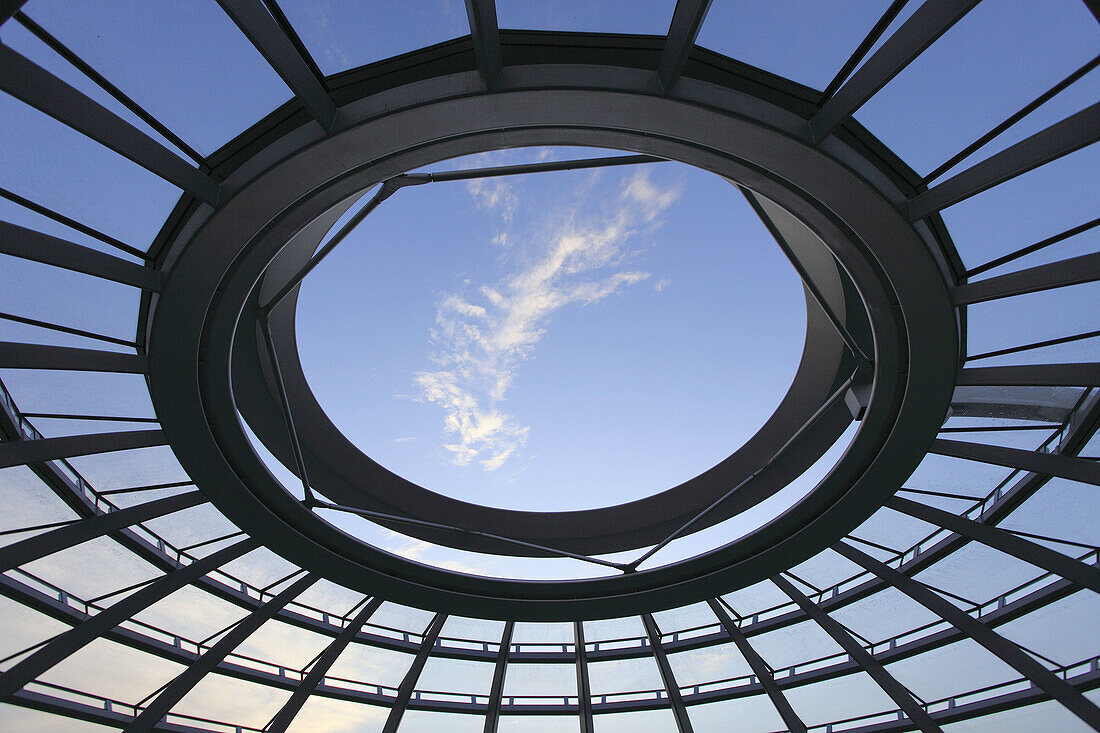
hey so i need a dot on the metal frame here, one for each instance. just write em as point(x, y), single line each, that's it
point(268, 30)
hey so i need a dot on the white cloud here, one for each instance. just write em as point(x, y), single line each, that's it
point(485, 334)
point(661, 284)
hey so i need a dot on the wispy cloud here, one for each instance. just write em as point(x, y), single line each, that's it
point(483, 334)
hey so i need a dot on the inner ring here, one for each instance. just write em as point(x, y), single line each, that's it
point(341, 471)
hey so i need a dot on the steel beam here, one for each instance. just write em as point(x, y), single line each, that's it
point(485, 35)
point(33, 548)
point(1032, 375)
point(1005, 650)
point(264, 33)
point(496, 692)
point(928, 23)
point(21, 452)
point(1075, 270)
point(45, 356)
point(675, 699)
point(1051, 464)
point(759, 668)
point(305, 688)
point(155, 711)
point(687, 19)
point(28, 244)
point(408, 684)
point(71, 641)
point(897, 692)
point(30, 83)
point(1061, 138)
point(584, 687)
point(9, 8)
point(1087, 576)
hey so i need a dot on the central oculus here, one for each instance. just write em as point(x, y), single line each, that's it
point(559, 340)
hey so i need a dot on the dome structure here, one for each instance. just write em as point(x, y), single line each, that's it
point(762, 337)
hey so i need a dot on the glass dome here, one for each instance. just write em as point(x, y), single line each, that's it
point(568, 232)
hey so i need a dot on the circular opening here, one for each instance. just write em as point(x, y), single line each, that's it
point(554, 340)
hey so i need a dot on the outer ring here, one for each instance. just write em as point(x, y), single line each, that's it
point(196, 315)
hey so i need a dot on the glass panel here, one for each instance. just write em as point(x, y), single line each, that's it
point(232, 701)
point(369, 665)
point(1035, 317)
point(198, 75)
point(751, 713)
point(538, 724)
point(1026, 209)
point(951, 670)
point(605, 16)
point(32, 721)
point(850, 696)
point(794, 644)
point(455, 676)
point(31, 503)
point(999, 57)
point(632, 722)
point(710, 664)
point(342, 34)
point(281, 644)
point(92, 569)
point(133, 674)
point(80, 178)
point(326, 714)
point(532, 680)
point(424, 721)
point(816, 37)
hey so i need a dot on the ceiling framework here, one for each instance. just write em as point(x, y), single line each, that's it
point(887, 299)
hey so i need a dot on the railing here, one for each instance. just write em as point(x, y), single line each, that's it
point(117, 710)
point(550, 651)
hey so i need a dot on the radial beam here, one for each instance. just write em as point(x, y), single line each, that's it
point(263, 31)
point(28, 244)
point(408, 684)
point(675, 699)
point(1005, 650)
point(33, 548)
point(30, 83)
point(584, 686)
point(76, 638)
point(897, 692)
point(496, 692)
point(69, 358)
point(759, 668)
point(1072, 271)
point(482, 15)
point(1032, 375)
point(1087, 576)
point(1061, 138)
point(309, 683)
point(929, 22)
point(1051, 464)
point(21, 452)
point(687, 20)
